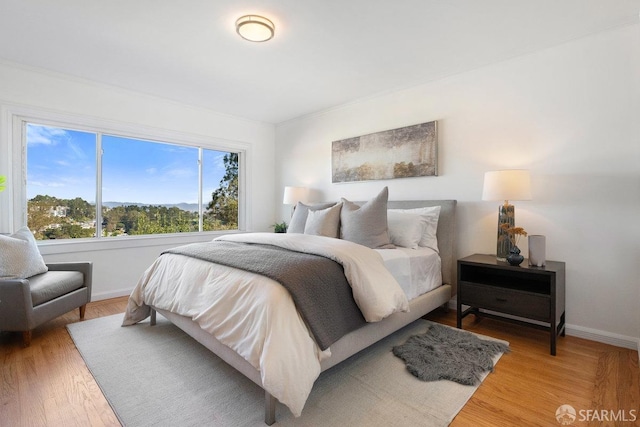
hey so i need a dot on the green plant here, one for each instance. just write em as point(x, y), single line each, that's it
point(3, 180)
point(280, 227)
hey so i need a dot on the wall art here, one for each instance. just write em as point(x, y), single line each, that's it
point(405, 152)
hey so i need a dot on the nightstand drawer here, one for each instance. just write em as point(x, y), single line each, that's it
point(517, 303)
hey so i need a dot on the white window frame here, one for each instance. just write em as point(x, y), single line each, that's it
point(13, 152)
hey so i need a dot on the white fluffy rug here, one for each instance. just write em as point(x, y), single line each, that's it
point(159, 376)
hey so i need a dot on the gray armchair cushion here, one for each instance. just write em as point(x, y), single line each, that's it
point(52, 284)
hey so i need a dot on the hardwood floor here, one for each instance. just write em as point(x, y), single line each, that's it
point(48, 383)
point(528, 385)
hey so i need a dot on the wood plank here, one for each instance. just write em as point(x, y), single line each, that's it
point(617, 383)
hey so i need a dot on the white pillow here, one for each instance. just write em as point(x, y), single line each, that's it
point(19, 255)
point(405, 229)
point(324, 222)
point(429, 216)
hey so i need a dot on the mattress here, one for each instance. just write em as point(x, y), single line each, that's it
point(416, 270)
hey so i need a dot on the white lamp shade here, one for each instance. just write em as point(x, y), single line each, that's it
point(514, 184)
point(293, 195)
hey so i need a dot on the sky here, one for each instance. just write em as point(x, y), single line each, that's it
point(62, 163)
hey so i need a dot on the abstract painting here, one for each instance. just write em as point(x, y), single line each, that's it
point(405, 152)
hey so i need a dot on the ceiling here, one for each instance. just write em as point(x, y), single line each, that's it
point(325, 53)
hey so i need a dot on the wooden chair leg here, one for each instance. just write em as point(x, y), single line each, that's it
point(82, 310)
point(26, 338)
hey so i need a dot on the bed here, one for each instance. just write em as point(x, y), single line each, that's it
point(294, 344)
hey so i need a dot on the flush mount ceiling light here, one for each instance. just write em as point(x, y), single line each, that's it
point(255, 28)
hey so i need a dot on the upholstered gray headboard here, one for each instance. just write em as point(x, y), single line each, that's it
point(446, 233)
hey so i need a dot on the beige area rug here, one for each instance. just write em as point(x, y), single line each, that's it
point(159, 376)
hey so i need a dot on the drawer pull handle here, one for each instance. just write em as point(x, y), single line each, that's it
point(501, 299)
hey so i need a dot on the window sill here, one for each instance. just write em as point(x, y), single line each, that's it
point(51, 247)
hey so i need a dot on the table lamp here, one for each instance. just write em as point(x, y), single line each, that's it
point(514, 184)
point(293, 195)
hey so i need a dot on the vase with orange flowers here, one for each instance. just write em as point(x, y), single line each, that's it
point(514, 233)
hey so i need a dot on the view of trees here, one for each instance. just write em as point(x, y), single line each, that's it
point(137, 220)
point(53, 218)
point(222, 211)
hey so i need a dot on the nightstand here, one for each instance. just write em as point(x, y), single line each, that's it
point(493, 288)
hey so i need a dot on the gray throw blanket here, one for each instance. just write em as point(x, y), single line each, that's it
point(317, 284)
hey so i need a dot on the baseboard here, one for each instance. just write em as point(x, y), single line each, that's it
point(603, 337)
point(112, 294)
point(585, 333)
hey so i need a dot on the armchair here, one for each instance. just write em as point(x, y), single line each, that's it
point(28, 303)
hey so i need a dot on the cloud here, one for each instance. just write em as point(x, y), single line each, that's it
point(218, 159)
point(46, 184)
point(179, 173)
point(77, 150)
point(171, 148)
point(45, 135)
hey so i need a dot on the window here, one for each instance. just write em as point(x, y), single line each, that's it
point(61, 182)
point(138, 186)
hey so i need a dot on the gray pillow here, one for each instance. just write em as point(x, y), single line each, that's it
point(366, 224)
point(324, 222)
point(299, 218)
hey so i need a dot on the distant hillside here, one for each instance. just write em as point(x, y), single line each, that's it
point(190, 207)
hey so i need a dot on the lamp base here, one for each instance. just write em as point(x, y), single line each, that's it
point(506, 215)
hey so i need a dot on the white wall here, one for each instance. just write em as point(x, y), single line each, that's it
point(570, 114)
point(117, 267)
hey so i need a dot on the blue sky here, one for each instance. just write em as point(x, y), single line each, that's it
point(62, 163)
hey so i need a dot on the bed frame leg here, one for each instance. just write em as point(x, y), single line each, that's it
point(269, 409)
point(153, 317)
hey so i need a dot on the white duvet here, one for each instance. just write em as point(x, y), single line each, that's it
point(256, 316)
